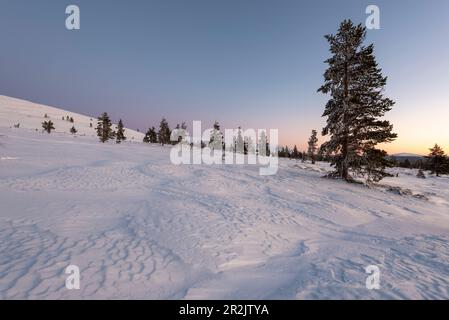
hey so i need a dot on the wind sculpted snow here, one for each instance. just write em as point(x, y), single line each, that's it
point(139, 227)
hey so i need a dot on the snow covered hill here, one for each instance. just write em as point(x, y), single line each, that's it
point(30, 115)
point(139, 227)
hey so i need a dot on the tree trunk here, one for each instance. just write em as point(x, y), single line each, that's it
point(344, 167)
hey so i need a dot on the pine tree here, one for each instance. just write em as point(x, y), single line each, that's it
point(250, 147)
point(73, 130)
point(153, 135)
point(71, 120)
point(48, 126)
point(312, 146)
point(150, 136)
point(164, 132)
point(262, 144)
point(146, 138)
point(120, 135)
point(437, 161)
point(216, 138)
point(239, 143)
point(355, 83)
point(295, 153)
point(104, 128)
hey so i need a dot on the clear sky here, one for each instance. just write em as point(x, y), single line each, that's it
point(254, 63)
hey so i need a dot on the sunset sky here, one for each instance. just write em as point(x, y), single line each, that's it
point(254, 63)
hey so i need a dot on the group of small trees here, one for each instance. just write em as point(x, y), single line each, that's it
point(312, 153)
point(163, 135)
point(240, 143)
point(436, 162)
point(105, 131)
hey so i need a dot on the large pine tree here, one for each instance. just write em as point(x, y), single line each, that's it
point(104, 128)
point(120, 136)
point(355, 83)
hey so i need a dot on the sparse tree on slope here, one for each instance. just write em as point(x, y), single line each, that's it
point(355, 83)
point(48, 126)
point(120, 136)
point(104, 128)
point(437, 161)
point(73, 130)
point(312, 146)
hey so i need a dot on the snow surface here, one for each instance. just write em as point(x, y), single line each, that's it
point(141, 228)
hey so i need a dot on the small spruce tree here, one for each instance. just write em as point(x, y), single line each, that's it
point(48, 126)
point(120, 135)
point(312, 146)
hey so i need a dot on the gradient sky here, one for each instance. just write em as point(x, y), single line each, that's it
point(254, 63)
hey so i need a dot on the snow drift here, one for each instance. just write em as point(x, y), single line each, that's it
point(139, 227)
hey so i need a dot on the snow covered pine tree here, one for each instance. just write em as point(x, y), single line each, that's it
point(312, 146)
point(355, 83)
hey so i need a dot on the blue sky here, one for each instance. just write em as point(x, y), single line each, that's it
point(254, 63)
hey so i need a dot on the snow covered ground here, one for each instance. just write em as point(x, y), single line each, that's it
point(141, 228)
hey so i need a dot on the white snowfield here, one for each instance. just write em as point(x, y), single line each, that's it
point(139, 227)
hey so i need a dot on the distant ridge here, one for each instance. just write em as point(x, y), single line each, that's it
point(407, 155)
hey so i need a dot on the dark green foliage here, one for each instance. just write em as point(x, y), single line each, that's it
point(120, 135)
point(104, 128)
point(48, 126)
point(150, 136)
point(164, 132)
point(437, 161)
point(73, 130)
